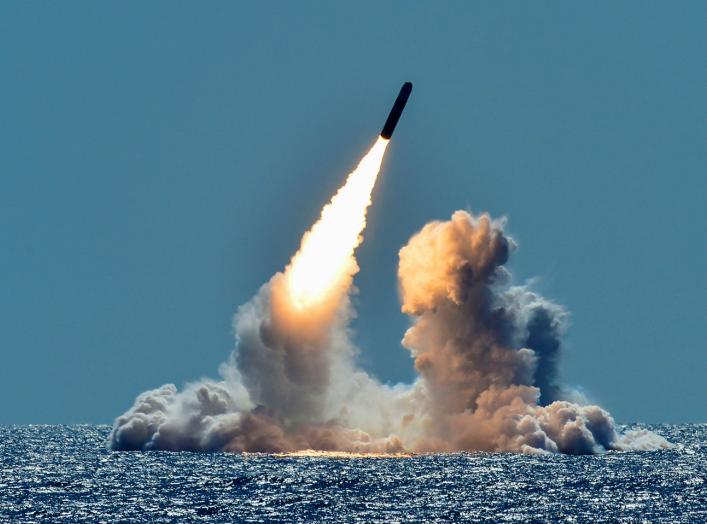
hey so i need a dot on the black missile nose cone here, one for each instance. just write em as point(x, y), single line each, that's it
point(397, 110)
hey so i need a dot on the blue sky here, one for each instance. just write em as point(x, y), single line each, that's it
point(160, 161)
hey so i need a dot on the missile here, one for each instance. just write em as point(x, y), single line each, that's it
point(397, 110)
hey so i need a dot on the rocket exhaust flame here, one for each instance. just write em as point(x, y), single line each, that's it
point(325, 255)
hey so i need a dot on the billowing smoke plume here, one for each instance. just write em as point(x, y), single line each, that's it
point(486, 353)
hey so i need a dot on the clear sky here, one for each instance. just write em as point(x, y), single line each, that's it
point(160, 161)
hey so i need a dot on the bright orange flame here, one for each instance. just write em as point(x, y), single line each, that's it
point(325, 255)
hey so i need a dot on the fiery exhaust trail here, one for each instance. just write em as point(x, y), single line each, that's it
point(326, 253)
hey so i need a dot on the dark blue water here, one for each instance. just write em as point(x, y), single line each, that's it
point(65, 474)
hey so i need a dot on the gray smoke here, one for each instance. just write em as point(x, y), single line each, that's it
point(486, 352)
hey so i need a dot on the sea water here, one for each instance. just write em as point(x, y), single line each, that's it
point(66, 474)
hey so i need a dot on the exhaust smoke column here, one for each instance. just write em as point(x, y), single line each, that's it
point(292, 374)
point(487, 351)
point(294, 342)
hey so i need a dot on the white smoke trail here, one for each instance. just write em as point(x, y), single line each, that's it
point(486, 353)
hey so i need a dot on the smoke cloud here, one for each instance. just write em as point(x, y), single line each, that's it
point(486, 353)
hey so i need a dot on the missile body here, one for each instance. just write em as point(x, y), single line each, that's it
point(397, 110)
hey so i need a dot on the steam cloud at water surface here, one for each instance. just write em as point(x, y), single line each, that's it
point(486, 354)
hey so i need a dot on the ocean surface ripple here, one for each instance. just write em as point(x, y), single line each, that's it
point(66, 474)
